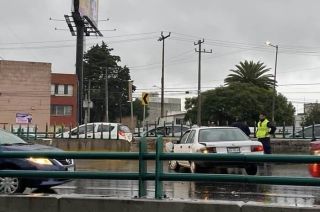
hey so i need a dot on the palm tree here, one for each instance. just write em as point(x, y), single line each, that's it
point(250, 72)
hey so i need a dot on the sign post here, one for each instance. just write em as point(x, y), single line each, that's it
point(145, 101)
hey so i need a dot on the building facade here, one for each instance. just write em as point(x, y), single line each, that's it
point(170, 105)
point(24, 93)
point(63, 99)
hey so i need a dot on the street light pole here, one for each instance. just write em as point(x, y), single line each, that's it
point(162, 38)
point(274, 79)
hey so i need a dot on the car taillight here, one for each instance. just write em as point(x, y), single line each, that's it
point(256, 148)
point(314, 170)
point(208, 150)
point(121, 133)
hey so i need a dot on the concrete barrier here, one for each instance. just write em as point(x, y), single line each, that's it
point(78, 203)
point(299, 146)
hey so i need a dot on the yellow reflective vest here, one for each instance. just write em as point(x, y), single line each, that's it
point(263, 130)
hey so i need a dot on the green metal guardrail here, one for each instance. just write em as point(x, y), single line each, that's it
point(159, 176)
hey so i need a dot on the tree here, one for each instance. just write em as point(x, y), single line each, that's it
point(251, 73)
point(96, 60)
point(313, 116)
point(239, 100)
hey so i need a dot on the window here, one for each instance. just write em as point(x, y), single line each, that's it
point(105, 128)
point(221, 134)
point(65, 89)
point(82, 130)
point(61, 110)
point(184, 137)
point(62, 90)
point(191, 137)
point(56, 89)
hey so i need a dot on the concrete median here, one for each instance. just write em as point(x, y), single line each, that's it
point(80, 203)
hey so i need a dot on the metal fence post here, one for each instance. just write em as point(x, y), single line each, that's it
point(313, 136)
point(28, 130)
point(12, 129)
point(109, 131)
point(155, 129)
point(93, 132)
point(101, 128)
point(294, 129)
point(70, 127)
point(54, 131)
point(173, 129)
point(283, 130)
point(139, 125)
point(85, 131)
point(159, 169)
point(164, 129)
point(181, 130)
point(147, 129)
point(303, 136)
point(142, 168)
point(255, 129)
point(46, 130)
point(77, 130)
point(35, 132)
point(62, 130)
point(117, 132)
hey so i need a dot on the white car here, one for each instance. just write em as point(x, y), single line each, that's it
point(217, 140)
point(94, 130)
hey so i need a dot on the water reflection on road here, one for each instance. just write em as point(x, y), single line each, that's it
point(288, 195)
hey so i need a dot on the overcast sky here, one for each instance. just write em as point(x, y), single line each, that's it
point(234, 29)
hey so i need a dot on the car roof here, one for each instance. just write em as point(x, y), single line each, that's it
point(204, 127)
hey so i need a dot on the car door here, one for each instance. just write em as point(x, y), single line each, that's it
point(185, 146)
point(179, 147)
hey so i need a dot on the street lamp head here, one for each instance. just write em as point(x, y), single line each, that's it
point(268, 43)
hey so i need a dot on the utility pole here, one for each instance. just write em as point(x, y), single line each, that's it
point(199, 79)
point(79, 63)
point(130, 83)
point(107, 97)
point(89, 100)
point(162, 38)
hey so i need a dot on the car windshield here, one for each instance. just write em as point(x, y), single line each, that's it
point(221, 134)
point(7, 138)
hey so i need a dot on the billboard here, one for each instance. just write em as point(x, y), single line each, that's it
point(89, 8)
point(23, 118)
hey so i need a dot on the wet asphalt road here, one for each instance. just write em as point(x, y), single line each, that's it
point(288, 195)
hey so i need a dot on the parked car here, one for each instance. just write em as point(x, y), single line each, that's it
point(12, 143)
point(95, 129)
point(307, 131)
point(166, 131)
point(214, 140)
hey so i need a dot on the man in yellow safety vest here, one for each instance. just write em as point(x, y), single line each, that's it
point(264, 130)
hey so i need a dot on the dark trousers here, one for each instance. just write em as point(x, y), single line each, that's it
point(266, 145)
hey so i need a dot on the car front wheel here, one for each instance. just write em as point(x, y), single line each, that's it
point(174, 165)
point(252, 170)
point(11, 185)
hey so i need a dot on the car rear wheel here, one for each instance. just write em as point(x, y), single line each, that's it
point(194, 168)
point(252, 170)
point(11, 185)
point(174, 165)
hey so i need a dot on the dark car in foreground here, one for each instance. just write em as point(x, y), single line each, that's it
point(11, 143)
